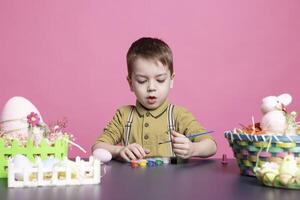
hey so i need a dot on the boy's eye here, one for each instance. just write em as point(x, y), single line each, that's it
point(161, 80)
point(141, 81)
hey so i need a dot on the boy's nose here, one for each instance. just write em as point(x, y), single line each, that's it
point(151, 86)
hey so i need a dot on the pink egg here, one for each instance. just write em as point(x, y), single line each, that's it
point(102, 154)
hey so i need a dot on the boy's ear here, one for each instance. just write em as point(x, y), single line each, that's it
point(129, 83)
point(172, 80)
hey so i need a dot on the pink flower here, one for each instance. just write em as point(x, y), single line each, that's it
point(33, 119)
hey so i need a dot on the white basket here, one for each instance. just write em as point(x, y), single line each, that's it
point(83, 172)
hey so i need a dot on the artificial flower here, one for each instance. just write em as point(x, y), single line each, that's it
point(33, 119)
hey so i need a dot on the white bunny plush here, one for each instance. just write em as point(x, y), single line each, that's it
point(274, 120)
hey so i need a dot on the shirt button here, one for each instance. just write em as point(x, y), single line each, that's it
point(146, 124)
point(146, 137)
point(147, 114)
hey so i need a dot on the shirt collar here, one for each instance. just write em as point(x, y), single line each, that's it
point(155, 113)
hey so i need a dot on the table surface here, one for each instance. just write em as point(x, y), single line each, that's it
point(199, 178)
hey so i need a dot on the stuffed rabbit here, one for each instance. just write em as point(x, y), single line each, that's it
point(274, 120)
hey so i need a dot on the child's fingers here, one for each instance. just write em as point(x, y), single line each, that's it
point(180, 146)
point(180, 152)
point(139, 153)
point(176, 134)
point(147, 151)
point(180, 140)
point(124, 156)
point(130, 154)
point(141, 150)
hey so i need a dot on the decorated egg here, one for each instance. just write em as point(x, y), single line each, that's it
point(288, 169)
point(268, 172)
point(102, 154)
point(298, 177)
point(14, 117)
point(288, 165)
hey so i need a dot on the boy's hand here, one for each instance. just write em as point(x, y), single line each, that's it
point(182, 146)
point(133, 152)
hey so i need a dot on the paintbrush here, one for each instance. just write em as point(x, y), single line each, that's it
point(189, 136)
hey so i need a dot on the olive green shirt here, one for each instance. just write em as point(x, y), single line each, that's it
point(150, 127)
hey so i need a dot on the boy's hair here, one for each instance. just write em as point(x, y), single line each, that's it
point(152, 49)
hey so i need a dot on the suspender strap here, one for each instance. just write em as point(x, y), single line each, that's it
point(171, 125)
point(128, 126)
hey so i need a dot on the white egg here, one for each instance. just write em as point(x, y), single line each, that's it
point(49, 162)
point(14, 115)
point(102, 154)
point(21, 162)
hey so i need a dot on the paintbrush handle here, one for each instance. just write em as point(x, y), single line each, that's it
point(197, 134)
point(189, 136)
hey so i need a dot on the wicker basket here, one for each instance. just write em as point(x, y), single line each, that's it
point(59, 149)
point(253, 150)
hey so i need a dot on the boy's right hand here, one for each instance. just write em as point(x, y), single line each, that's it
point(133, 152)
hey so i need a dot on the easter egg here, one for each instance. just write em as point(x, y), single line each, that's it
point(268, 172)
point(298, 177)
point(102, 154)
point(288, 165)
point(14, 115)
point(21, 162)
point(50, 162)
point(285, 179)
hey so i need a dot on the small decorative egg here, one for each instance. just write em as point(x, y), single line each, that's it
point(102, 154)
point(49, 162)
point(285, 179)
point(21, 162)
point(298, 177)
point(288, 165)
point(269, 171)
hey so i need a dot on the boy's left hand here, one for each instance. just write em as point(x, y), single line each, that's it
point(182, 146)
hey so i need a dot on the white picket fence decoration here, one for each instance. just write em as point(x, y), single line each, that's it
point(83, 172)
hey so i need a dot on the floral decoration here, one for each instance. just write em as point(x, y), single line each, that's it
point(33, 119)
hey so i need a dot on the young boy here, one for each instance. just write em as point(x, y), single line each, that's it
point(153, 120)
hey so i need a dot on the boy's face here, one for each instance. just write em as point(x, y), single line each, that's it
point(150, 81)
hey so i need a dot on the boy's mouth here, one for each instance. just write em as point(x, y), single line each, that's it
point(151, 99)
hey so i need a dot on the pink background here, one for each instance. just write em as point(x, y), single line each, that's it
point(68, 58)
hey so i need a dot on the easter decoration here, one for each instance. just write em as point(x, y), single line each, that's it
point(275, 118)
point(271, 147)
point(35, 154)
point(102, 154)
point(52, 172)
point(283, 175)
